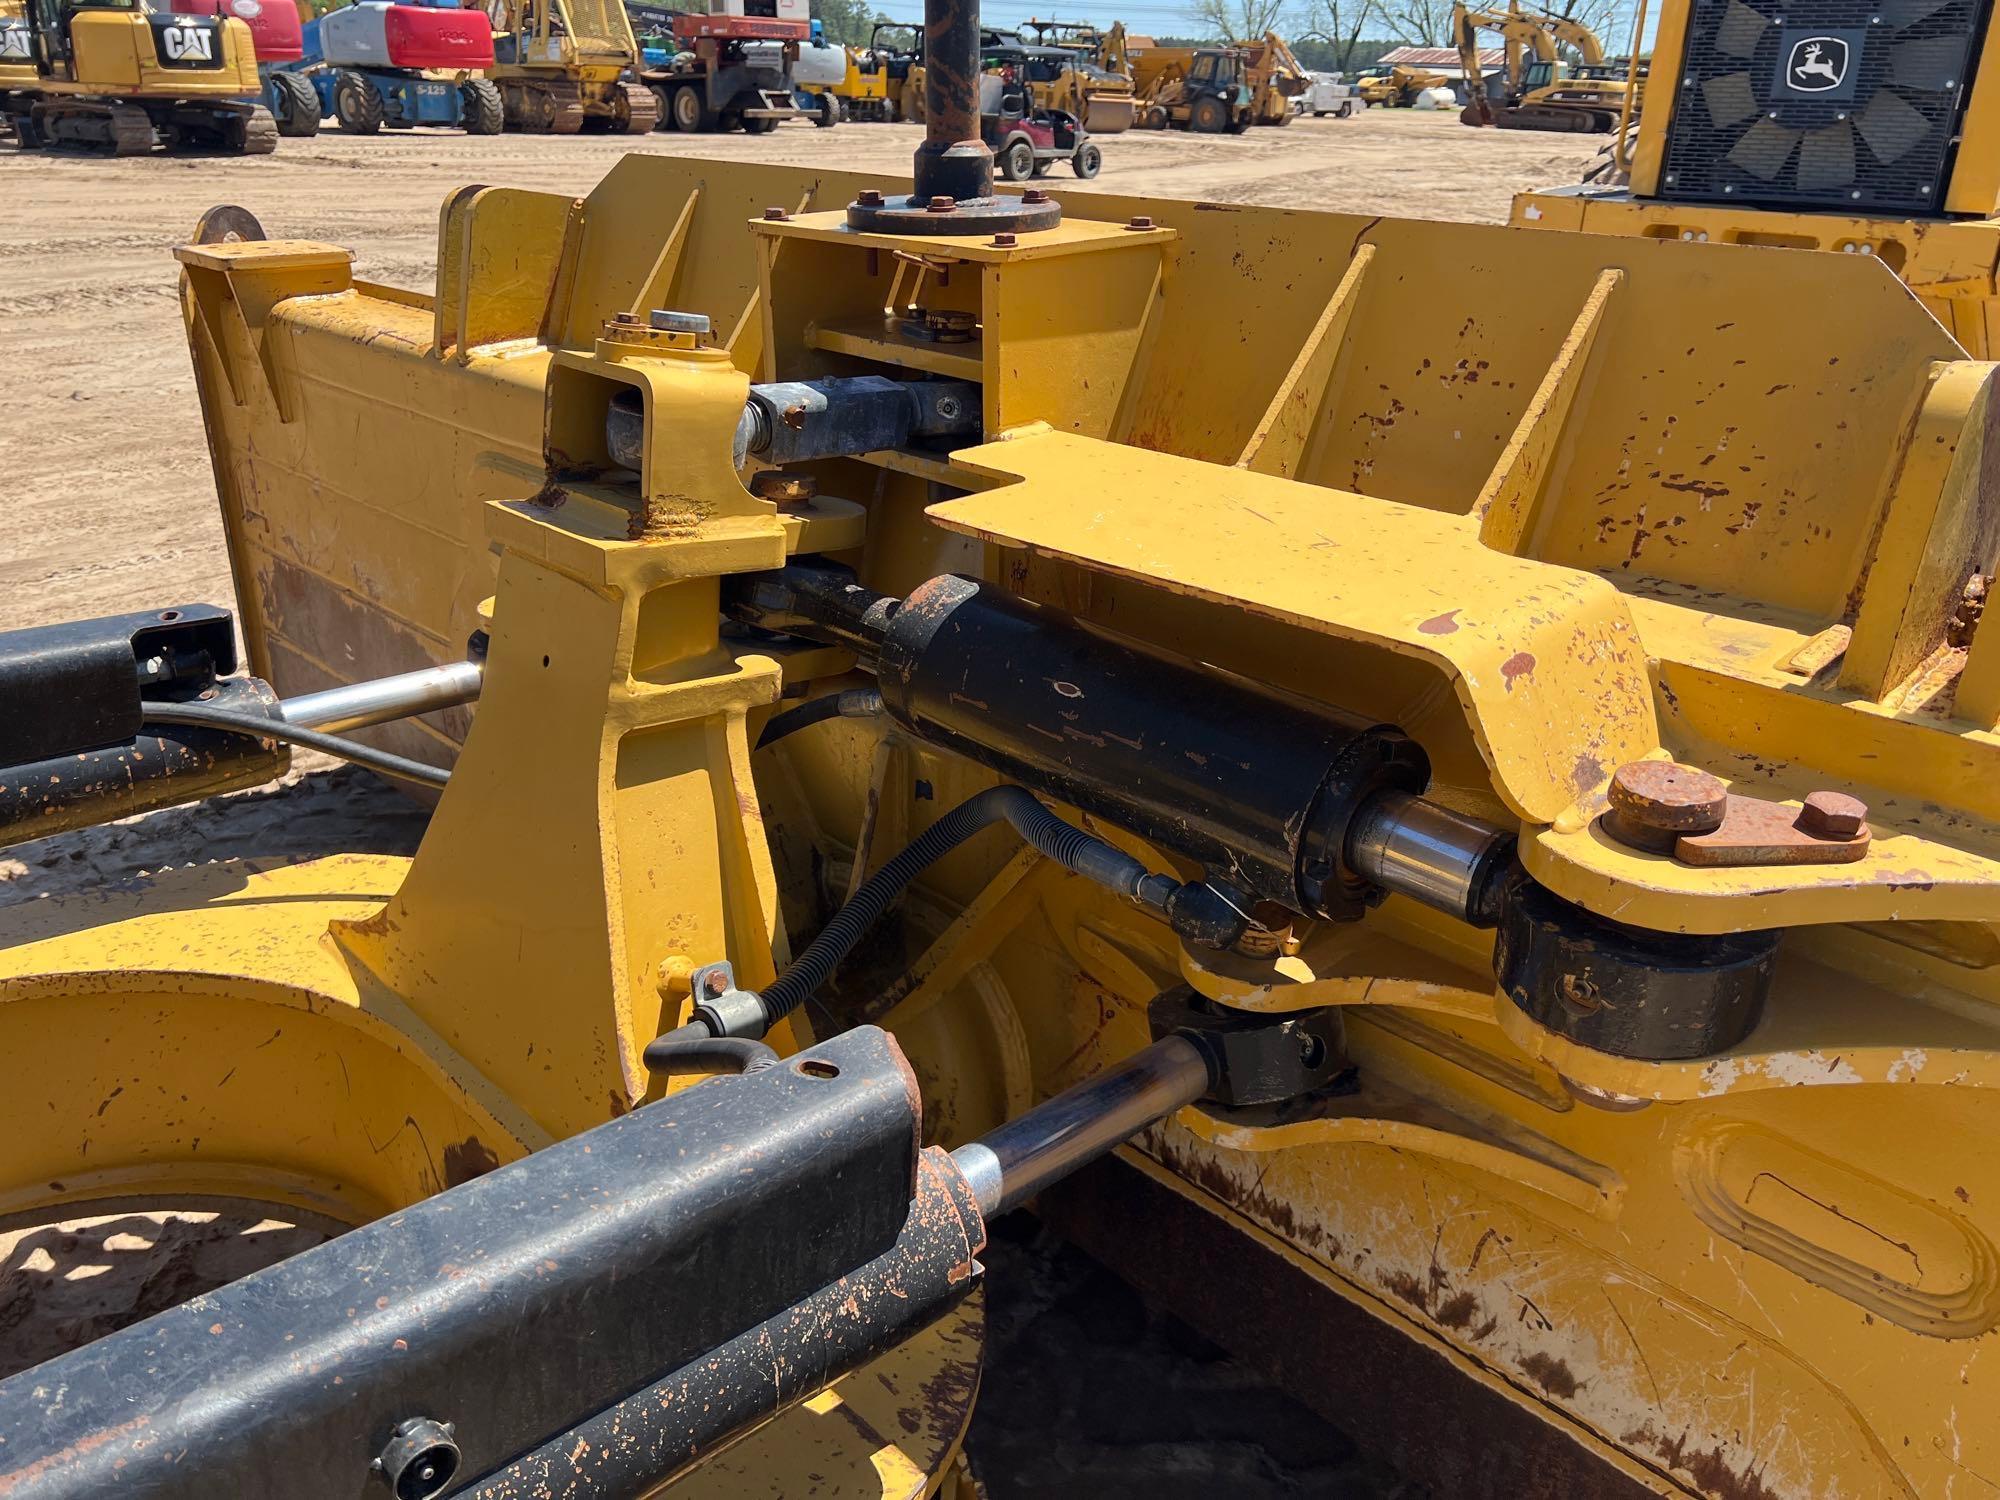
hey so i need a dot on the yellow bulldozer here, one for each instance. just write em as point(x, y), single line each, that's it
point(563, 66)
point(1884, 145)
point(1099, 90)
point(1466, 865)
point(115, 75)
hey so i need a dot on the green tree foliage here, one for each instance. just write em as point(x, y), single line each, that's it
point(846, 22)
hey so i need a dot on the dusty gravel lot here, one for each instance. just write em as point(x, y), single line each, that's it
point(111, 507)
point(110, 504)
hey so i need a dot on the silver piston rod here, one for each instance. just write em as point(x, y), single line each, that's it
point(355, 705)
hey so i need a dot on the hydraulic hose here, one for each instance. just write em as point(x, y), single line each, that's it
point(691, 1049)
point(851, 703)
point(204, 717)
point(1068, 846)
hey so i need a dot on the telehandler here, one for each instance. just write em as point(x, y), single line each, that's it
point(1458, 852)
point(112, 74)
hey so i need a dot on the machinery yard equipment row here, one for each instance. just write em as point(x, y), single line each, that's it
point(119, 77)
point(1473, 829)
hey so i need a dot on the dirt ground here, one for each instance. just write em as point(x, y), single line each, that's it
point(110, 502)
point(112, 507)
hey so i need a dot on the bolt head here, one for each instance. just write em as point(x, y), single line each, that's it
point(1669, 797)
point(1140, 221)
point(869, 198)
point(1004, 241)
point(626, 317)
point(1035, 195)
point(776, 215)
point(941, 204)
point(1832, 815)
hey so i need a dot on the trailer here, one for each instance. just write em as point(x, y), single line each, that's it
point(726, 68)
point(376, 64)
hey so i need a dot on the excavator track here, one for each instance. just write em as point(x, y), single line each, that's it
point(642, 109)
point(259, 135)
point(123, 129)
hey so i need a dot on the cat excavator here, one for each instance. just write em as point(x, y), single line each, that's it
point(1540, 89)
point(117, 76)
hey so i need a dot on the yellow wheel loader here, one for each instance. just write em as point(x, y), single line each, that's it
point(121, 77)
point(1467, 865)
point(1793, 129)
point(560, 66)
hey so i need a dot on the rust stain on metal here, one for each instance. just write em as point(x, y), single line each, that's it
point(1551, 1374)
point(1520, 664)
point(1443, 624)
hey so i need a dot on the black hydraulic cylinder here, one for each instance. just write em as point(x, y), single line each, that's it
point(460, 1333)
point(1257, 786)
point(80, 684)
point(160, 767)
point(671, 1425)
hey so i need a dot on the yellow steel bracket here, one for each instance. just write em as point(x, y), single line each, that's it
point(1543, 661)
point(602, 825)
point(229, 291)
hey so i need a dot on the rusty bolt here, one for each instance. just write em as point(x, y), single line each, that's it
point(776, 215)
point(626, 317)
point(941, 204)
point(1832, 815)
point(1668, 796)
point(869, 198)
point(1035, 195)
point(1004, 241)
point(1140, 221)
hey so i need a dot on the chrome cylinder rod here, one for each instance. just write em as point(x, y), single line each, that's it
point(358, 704)
point(1421, 849)
point(1008, 1166)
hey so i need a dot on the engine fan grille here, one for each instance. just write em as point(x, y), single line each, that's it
point(1838, 104)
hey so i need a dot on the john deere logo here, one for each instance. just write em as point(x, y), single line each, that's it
point(1818, 65)
point(188, 44)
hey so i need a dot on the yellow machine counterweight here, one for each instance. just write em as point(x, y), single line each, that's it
point(1475, 827)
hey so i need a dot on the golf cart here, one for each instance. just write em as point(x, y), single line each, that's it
point(1028, 140)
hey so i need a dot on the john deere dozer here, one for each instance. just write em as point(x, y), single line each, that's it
point(1810, 129)
point(1458, 851)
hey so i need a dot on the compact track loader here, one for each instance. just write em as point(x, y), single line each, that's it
point(111, 74)
point(1460, 852)
point(1817, 126)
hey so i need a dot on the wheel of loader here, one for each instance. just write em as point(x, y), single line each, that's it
point(294, 104)
point(829, 112)
point(1016, 161)
point(1209, 116)
point(1156, 118)
point(1087, 162)
point(484, 110)
point(689, 111)
point(356, 105)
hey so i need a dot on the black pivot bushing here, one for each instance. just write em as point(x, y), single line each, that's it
point(1630, 991)
point(1256, 1057)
